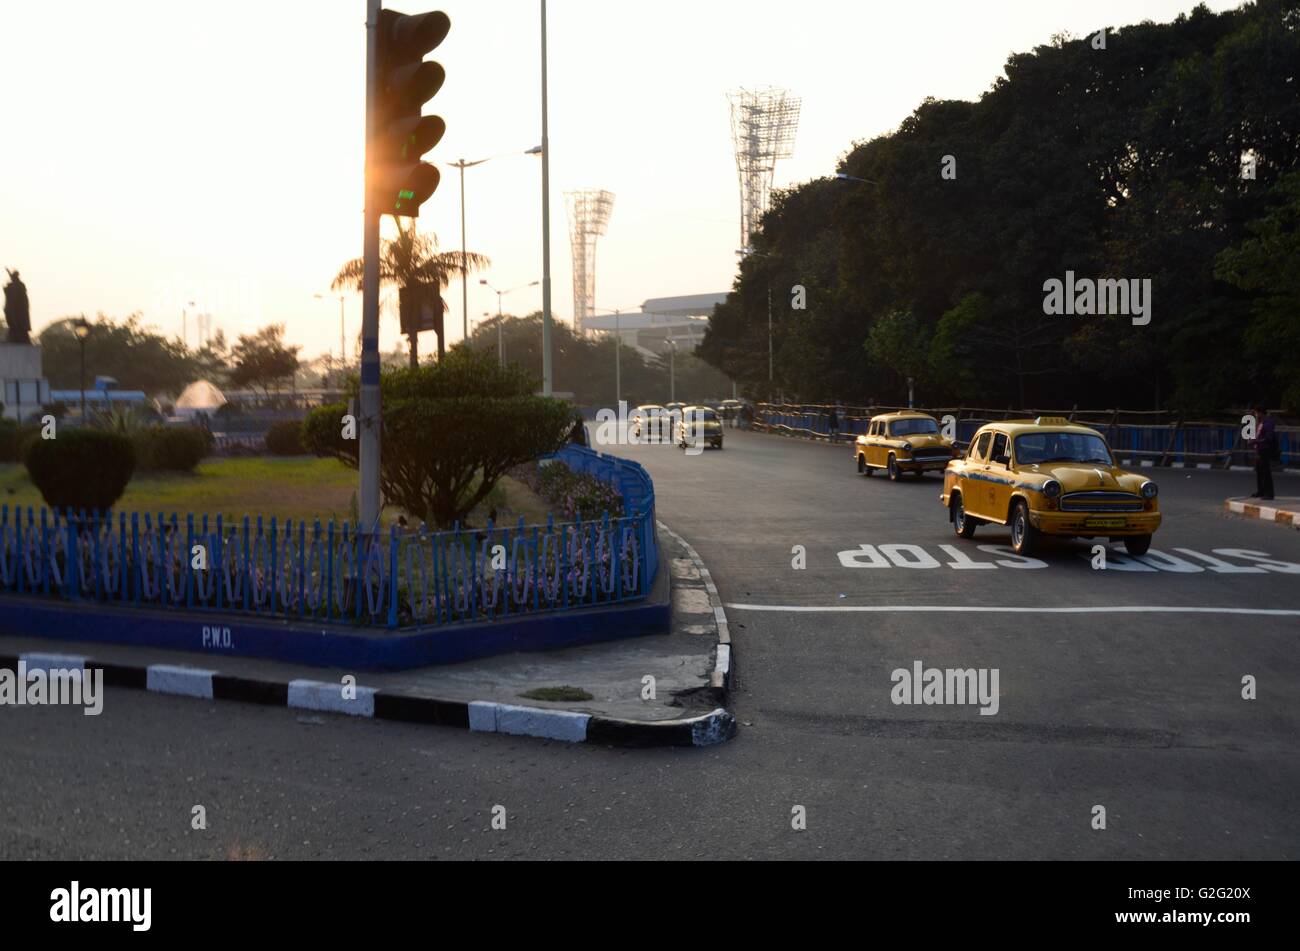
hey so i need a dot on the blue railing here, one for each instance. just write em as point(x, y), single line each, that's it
point(1201, 442)
point(633, 483)
point(331, 573)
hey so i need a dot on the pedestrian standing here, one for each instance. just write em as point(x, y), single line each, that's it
point(1266, 451)
point(833, 424)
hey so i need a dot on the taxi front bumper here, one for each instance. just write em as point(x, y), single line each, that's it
point(1095, 524)
point(923, 465)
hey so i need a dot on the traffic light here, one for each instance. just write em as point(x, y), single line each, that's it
point(400, 182)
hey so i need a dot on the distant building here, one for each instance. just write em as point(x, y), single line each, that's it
point(681, 319)
point(105, 395)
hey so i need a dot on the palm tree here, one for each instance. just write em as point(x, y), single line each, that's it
point(408, 260)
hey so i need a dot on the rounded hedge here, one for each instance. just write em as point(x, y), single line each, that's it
point(175, 449)
point(285, 439)
point(81, 468)
point(14, 439)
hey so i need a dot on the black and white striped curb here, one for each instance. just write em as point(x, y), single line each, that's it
point(478, 716)
point(721, 676)
point(1269, 513)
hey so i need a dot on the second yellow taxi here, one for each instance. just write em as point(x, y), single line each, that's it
point(902, 442)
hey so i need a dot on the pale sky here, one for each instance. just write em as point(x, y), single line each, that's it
point(155, 153)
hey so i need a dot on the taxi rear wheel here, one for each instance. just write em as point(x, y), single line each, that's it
point(863, 468)
point(1137, 544)
point(895, 473)
point(1024, 537)
point(962, 523)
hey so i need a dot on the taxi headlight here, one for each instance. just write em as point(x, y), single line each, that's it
point(1051, 489)
point(907, 447)
point(1149, 490)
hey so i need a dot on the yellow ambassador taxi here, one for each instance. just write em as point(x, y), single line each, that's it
point(1048, 476)
point(902, 442)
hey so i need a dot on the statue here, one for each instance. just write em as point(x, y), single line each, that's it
point(17, 314)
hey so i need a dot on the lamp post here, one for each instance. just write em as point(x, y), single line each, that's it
point(343, 353)
point(82, 329)
point(672, 370)
point(464, 266)
point(618, 348)
point(547, 374)
point(501, 340)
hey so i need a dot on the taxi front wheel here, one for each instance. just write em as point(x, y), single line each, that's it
point(1137, 545)
point(962, 523)
point(1024, 537)
point(895, 473)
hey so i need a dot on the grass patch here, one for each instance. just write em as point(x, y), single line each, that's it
point(294, 487)
point(557, 694)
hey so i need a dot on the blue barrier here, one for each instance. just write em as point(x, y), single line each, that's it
point(637, 489)
point(1181, 443)
point(332, 573)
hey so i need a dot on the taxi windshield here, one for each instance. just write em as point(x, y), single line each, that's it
point(913, 427)
point(701, 416)
point(1037, 448)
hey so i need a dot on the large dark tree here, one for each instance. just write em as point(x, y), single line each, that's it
point(1124, 162)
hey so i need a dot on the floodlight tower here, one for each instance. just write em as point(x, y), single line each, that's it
point(588, 217)
point(763, 124)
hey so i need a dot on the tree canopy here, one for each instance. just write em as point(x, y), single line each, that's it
point(1164, 156)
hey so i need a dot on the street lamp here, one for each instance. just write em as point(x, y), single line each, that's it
point(618, 349)
point(343, 352)
point(841, 176)
point(501, 340)
point(672, 370)
point(545, 149)
point(464, 254)
point(82, 329)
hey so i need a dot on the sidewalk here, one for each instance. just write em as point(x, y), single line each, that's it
point(688, 666)
point(1284, 510)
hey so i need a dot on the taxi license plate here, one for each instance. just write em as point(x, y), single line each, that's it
point(1105, 523)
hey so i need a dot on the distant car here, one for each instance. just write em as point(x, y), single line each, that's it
point(1048, 476)
point(698, 426)
point(730, 409)
point(902, 442)
point(649, 418)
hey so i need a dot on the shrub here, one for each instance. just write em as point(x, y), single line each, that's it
point(449, 432)
point(578, 494)
point(176, 449)
point(285, 439)
point(81, 468)
point(14, 439)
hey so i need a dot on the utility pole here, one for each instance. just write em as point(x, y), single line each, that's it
point(368, 503)
point(547, 368)
point(618, 361)
point(769, 336)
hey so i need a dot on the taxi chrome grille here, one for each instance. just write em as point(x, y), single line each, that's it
point(932, 454)
point(1101, 502)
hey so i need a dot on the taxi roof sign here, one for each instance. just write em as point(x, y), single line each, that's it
point(1051, 421)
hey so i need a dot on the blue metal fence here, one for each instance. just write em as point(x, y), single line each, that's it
point(334, 572)
point(1174, 443)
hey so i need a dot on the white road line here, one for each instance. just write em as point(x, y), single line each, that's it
point(996, 609)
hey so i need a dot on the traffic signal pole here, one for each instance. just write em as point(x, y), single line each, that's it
point(368, 430)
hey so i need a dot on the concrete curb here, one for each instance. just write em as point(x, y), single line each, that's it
point(1267, 513)
point(709, 729)
point(724, 662)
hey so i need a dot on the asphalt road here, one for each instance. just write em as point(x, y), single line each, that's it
point(1140, 713)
